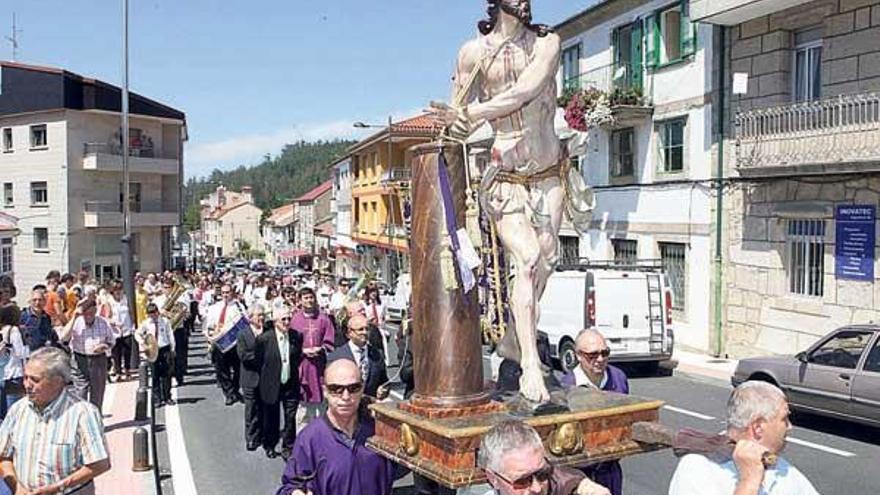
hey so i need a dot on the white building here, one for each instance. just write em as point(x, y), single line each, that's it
point(8, 232)
point(62, 173)
point(230, 222)
point(651, 168)
point(342, 245)
point(278, 234)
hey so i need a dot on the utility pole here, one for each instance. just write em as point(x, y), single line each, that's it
point(14, 38)
point(127, 262)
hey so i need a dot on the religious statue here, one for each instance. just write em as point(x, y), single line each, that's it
point(507, 77)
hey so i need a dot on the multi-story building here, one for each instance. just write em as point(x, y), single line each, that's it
point(278, 234)
point(8, 232)
point(312, 208)
point(230, 222)
point(61, 156)
point(380, 192)
point(803, 155)
point(650, 163)
point(342, 245)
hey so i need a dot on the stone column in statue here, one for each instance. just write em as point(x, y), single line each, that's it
point(507, 77)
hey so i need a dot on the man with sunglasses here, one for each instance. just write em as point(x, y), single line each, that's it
point(330, 456)
point(513, 458)
point(593, 371)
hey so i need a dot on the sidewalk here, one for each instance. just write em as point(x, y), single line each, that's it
point(119, 425)
point(705, 365)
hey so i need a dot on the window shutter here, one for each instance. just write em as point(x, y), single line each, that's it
point(652, 31)
point(688, 30)
point(636, 56)
point(615, 46)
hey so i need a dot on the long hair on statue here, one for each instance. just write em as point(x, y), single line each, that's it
point(524, 14)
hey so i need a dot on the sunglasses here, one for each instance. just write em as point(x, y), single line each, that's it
point(541, 476)
point(594, 355)
point(338, 390)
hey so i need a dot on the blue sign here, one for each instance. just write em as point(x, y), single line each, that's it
point(856, 237)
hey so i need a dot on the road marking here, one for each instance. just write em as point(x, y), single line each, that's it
point(689, 413)
point(181, 472)
point(823, 448)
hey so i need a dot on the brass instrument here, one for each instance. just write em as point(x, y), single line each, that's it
point(173, 310)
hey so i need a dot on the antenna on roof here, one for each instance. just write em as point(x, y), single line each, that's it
point(14, 38)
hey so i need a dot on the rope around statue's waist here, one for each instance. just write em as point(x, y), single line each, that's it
point(529, 179)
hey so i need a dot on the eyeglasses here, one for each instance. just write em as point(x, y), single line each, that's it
point(523, 482)
point(338, 390)
point(594, 355)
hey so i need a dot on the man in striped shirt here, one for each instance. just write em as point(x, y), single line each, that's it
point(53, 442)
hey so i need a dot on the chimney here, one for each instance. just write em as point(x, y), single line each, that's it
point(221, 196)
point(247, 193)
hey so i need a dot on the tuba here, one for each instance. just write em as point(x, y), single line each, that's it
point(173, 310)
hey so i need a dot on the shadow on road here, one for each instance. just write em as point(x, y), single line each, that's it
point(832, 426)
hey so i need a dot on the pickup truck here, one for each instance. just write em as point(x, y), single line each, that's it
point(630, 303)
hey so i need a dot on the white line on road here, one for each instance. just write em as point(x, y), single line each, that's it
point(823, 448)
point(181, 472)
point(689, 413)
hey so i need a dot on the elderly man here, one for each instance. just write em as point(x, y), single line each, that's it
point(367, 356)
point(280, 352)
point(513, 458)
point(332, 450)
point(90, 338)
point(593, 371)
point(36, 324)
point(246, 347)
point(53, 442)
point(758, 421)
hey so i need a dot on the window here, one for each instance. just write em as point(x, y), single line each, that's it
point(571, 67)
point(672, 145)
point(672, 255)
point(626, 42)
point(807, 65)
point(7, 140)
point(134, 196)
point(622, 152)
point(8, 196)
point(843, 350)
point(39, 139)
point(39, 193)
point(625, 250)
point(873, 361)
point(569, 249)
point(671, 35)
point(5, 256)
point(806, 257)
point(41, 239)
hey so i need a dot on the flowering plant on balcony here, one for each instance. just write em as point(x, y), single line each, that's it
point(586, 108)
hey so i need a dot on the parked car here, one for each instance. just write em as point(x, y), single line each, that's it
point(258, 266)
point(837, 376)
point(629, 303)
point(397, 304)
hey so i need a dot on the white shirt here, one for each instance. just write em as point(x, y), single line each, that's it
point(17, 350)
point(284, 351)
point(337, 301)
point(582, 380)
point(159, 329)
point(216, 309)
point(122, 316)
point(696, 474)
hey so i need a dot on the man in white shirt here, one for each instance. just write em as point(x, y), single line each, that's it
point(157, 326)
point(181, 336)
point(758, 420)
point(226, 364)
point(337, 300)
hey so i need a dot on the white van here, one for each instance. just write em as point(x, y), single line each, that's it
point(630, 304)
point(397, 305)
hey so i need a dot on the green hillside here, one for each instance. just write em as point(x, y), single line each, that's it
point(299, 168)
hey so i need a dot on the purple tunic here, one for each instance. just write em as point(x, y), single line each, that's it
point(607, 474)
point(317, 331)
point(341, 465)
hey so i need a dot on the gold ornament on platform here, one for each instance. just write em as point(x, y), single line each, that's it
point(409, 440)
point(566, 439)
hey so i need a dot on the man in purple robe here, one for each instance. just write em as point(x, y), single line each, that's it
point(330, 456)
point(318, 336)
point(594, 372)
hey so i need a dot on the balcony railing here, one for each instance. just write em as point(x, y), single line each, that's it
point(397, 175)
point(622, 81)
point(136, 207)
point(142, 151)
point(838, 130)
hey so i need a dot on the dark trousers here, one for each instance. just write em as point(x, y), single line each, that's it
point(427, 486)
point(162, 375)
point(272, 431)
point(608, 474)
point(181, 351)
point(122, 355)
point(228, 370)
point(90, 377)
point(253, 416)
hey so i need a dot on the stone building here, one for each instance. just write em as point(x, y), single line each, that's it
point(230, 222)
point(804, 168)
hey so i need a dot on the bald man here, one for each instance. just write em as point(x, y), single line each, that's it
point(594, 372)
point(330, 456)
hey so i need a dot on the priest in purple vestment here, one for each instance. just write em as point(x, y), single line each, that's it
point(593, 371)
point(330, 456)
point(318, 338)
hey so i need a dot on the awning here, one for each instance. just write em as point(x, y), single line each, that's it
point(293, 253)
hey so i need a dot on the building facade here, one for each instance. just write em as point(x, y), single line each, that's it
point(650, 163)
point(230, 222)
point(342, 245)
point(8, 233)
point(312, 208)
point(278, 234)
point(804, 143)
point(62, 173)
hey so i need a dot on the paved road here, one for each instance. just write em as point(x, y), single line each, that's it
point(205, 441)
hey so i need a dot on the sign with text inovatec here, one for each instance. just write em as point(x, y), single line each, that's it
point(855, 241)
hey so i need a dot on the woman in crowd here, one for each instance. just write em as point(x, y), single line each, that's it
point(14, 347)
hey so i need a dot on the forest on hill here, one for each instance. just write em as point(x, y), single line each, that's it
point(276, 180)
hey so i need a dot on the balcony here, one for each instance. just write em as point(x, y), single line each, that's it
point(840, 134)
point(100, 214)
point(107, 157)
point(733, 12)
point(397, 177)
point(621, 84)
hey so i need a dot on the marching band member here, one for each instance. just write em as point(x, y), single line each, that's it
point(181, 338)
point(157, 327)
point(226, 364)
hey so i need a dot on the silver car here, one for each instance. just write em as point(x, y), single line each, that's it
point(837, 376)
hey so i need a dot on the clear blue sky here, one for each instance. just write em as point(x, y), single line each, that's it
point(252, 75)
